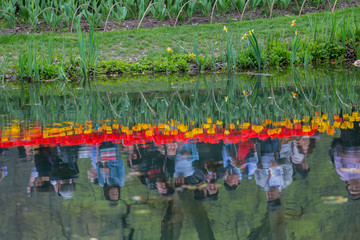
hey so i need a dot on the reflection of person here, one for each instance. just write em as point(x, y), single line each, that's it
point(40, 175)
point(211, 157)
point(65, 169)
point(186, 162)
point(238, 160)
point(274, 171)
point(345, 154)
point(300, 148)
point(110, 170)
point(3, 168)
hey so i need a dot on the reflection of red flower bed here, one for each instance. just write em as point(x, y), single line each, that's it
point(158, 137)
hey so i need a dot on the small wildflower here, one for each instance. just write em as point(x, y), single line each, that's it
point(226, 98)
point(293, 23)
point(296, 32)
point(226, 29)
point(169, 50)
point(244, 37)
point(251, 32)
point(192, 54)
point(294, 94)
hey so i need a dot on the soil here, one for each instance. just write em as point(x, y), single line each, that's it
point(150, 22)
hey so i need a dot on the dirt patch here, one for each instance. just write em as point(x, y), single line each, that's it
point(150, 22)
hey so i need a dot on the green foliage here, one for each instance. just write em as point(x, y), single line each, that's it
point(279, 56)
point(295, 48)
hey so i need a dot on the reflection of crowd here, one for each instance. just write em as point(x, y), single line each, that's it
point(174, 167)
point(194, 166)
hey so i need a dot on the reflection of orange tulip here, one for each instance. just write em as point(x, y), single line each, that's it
point(174, 132)
point(331, 131)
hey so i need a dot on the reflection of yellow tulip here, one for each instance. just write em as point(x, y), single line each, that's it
point(189, 135)
point(211, 131)
point(306, 119)
point(337, 124)
point(136, 128)
point(174, 132)
point(149, 133)
point(306, 128)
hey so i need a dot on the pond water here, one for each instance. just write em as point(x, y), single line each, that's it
point(207, 157)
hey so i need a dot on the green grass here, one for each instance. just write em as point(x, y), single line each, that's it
point(135, 44)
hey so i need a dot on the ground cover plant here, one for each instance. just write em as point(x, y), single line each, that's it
point(62, 14)
point(322, 38)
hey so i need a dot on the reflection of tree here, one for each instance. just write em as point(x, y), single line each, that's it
point(175, 212)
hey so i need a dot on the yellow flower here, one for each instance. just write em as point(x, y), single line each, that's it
point(232, 126)
point(211, 131)
point(293, 23)
point(306, 128)
point(337, 124)
point(226, 132)
point(293, 94)
point(226, 98)
point(226, 29)
point(218, 122)
point(324, 116)
point(306, 118)
point(206, 126)
point(189, 135)
point(209, 120)
point(169, 50)
point(149, 133)
point(296, 32)
point(192, 54)
point(244, 37)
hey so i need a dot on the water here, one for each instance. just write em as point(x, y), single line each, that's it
point(224, 157)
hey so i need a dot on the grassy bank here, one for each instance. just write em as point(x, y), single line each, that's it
point(321, 38)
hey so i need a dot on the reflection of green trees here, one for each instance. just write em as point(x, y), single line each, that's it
point(228, 98)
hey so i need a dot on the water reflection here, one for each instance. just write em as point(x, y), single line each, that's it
point(345, 155)
point(212, 163)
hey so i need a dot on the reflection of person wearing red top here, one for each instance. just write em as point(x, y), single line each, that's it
point(244, 149)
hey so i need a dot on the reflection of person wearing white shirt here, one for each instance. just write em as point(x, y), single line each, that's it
point(275, 170)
